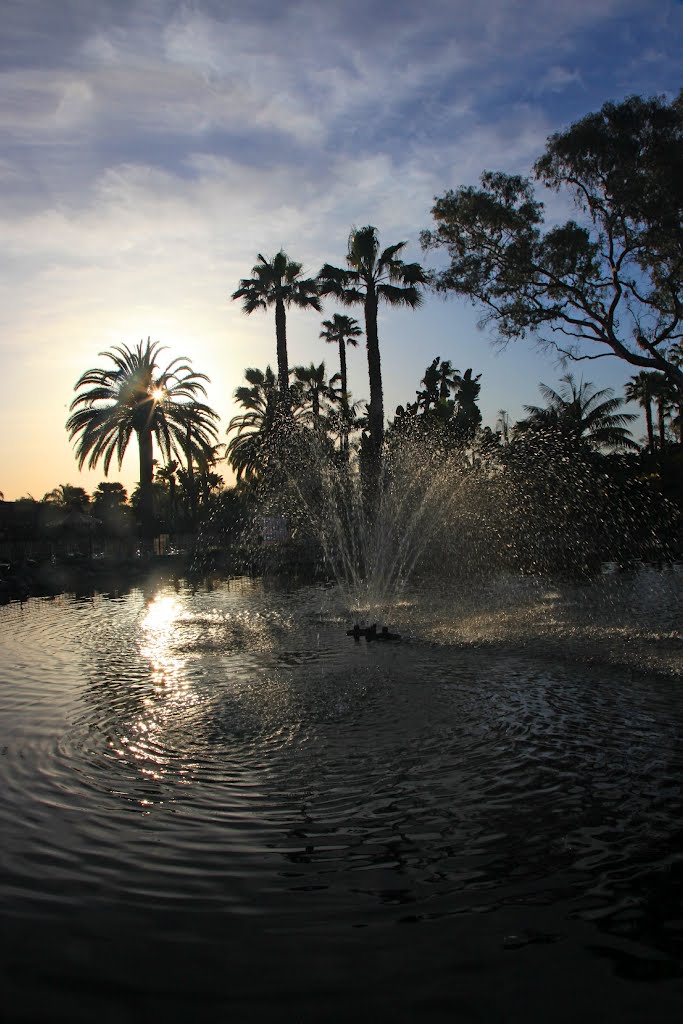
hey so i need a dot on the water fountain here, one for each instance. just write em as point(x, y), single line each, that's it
point(215, 804)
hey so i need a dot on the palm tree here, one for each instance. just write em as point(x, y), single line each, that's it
point(197, 448)
point(467, 417)
point(109, 505)
point(253, 430)
point(676, 354)
point(373, 275)
point(67, 496)
point(640, 389)
point(503, 425)
point(278, 282)
point(439, 380)
point(168, 475)
point(136, 396)
point(314, 389)
point(206, 464)
point(665, 396)
point(430, 395)
point(109, 495)
point(342, 330)
point(580, 411)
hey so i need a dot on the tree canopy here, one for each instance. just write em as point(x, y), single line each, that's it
point(580, 410)
point(135, 395)
point(607, 283)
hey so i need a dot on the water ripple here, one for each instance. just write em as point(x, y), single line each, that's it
point(236, 750)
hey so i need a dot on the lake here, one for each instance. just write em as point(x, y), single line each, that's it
point(215, 805)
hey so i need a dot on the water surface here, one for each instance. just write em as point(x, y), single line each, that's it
point(213, 802)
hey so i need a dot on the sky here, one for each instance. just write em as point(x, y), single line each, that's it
point(152, 148)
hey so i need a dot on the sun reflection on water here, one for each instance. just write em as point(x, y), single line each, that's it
point(161, 636)
point(154, 740)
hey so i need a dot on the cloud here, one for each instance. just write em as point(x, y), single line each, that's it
point(558, 78)
point(151, 149)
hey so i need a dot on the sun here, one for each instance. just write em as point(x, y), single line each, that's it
point(158, 394)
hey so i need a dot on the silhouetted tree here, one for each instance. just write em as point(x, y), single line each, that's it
point(278, 282)
point(373, 275)
point(68, 496)
point(612, 282)
point(467, 418)
point(581, 411)
point(342, 330)
point(253, 431)
point(136, 396)
point(639, 389)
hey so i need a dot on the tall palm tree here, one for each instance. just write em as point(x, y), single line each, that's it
point(373, 275)
point(342, 330)
point(581, 411)
point(253, 430)
point(278, 282)
point(137, 396)
point(640, 389)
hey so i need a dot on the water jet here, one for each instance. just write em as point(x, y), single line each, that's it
point(210, 798)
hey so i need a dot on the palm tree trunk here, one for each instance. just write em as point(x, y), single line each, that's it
point(660, 422)
point(650, 427)
point(376, 409)
point(146, 450)
point(344, 395)
point(282, 361)
point(172, 499)
point(192, 495)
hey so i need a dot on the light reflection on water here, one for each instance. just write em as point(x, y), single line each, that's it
point(231, 751)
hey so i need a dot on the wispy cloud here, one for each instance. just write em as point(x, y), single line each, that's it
point(151, 148)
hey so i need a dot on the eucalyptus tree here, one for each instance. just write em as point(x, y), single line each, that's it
point(372, 276)
point(278, 282)
point(136, 396)
point(609, 282)
point(580, 411)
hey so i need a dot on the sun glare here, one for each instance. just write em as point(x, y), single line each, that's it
point(158, 394)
